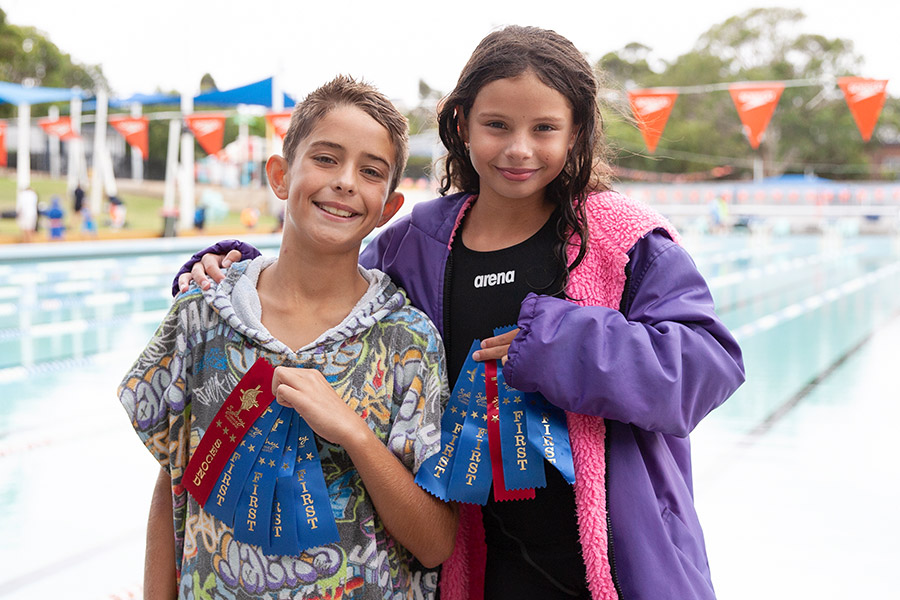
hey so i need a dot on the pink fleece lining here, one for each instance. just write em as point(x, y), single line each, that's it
point(616, 223)
point(459, 217)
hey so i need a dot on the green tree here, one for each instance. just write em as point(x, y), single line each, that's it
point(208, 84)
point(28, 57)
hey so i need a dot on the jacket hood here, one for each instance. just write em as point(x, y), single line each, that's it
point(236, 301)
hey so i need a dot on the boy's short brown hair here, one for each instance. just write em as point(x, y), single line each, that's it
point(346, 91)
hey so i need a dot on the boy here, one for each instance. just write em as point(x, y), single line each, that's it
point(372, 388)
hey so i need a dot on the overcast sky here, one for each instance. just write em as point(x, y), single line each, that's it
point(169, 44)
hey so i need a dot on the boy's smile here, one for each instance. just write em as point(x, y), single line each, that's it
point(337, 186)
point(335, 210)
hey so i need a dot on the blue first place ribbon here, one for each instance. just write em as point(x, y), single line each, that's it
point(531, 429)
point(434, 474)
point(271, 490)
point(522, 463)
point(470, 479)
point(548, 433)
point(313, 519)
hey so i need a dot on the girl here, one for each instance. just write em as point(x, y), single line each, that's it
point(614, 324)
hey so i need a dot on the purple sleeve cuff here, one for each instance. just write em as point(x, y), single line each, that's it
point(248, 251)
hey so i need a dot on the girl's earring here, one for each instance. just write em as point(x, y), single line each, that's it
point(467, 147)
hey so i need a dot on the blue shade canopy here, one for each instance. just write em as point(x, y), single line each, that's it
point(144, 99)
point(15, 93)
point(259, 93)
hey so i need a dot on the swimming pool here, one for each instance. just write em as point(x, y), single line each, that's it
point(794, 475)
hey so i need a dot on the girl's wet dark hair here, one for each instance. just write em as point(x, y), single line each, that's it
point(510, 52)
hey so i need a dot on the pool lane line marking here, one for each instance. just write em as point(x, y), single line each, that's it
point(73, 326)
point(728, 453)
point(814, 302)
point(719, 256)
point(746, 301)
point(766, 425)
point(71, 301)
point(783, 266)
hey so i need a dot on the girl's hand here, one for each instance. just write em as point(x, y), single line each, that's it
point(496, 348)
point(308, 392)
point(210, 265)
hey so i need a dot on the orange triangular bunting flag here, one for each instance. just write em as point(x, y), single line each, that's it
point(755, 103)
point(134, 130)
point(209, 129)
point(865, 97)
point(279, 122)
point(61, 128)
point(651, 108)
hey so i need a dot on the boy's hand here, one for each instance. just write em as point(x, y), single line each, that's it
point(495, 348)
point(308, 392)
point(210, 265)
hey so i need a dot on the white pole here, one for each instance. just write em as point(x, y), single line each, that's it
point(97, 162)
point(243, 141)
point(277, 106)
point(274, 141)
point(53, 142)
point(109, 178)
point(137, 159)
point(168, 211)
point(186, 206)
point(277, 92)
point(23, 152)
point(76, 152)
point(171, 167)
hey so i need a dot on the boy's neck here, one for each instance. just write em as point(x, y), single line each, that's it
point(302, 298)
point(497, 223)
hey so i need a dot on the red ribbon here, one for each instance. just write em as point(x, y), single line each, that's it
point(246, 402)
point(493, 427)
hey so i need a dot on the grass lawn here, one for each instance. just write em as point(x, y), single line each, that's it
point(144, 218)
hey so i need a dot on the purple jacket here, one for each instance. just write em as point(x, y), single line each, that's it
point(651, 375)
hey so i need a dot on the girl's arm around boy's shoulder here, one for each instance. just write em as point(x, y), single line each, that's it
point(662, 365)
point(211, 258)
point(383, 245)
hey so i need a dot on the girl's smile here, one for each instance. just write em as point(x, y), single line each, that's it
point(514, 174)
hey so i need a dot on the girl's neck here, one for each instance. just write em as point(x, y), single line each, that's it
point(497, 223)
